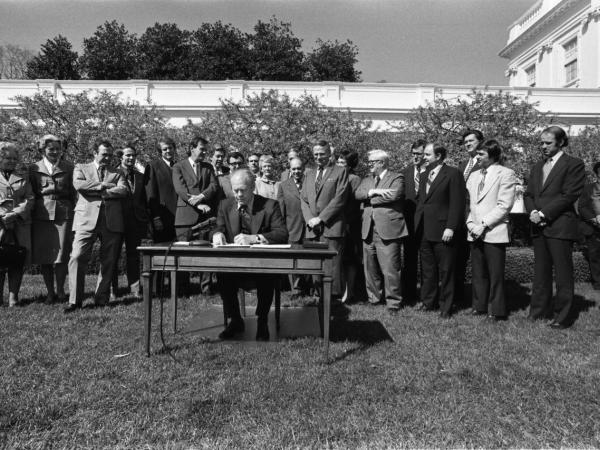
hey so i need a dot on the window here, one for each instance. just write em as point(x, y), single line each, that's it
point(530, 75)
point(571, 66)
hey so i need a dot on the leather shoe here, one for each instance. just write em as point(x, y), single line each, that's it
point(445, 315)
point(50, 298)
point(424, 307)
point(557, 326)
point(262, 330)
point(492, 318)
point(474, 312)
point(236, 326)
point(70, 308)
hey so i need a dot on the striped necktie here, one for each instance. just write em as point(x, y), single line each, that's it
point(482, 182)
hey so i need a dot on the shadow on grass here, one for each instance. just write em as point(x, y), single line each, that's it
point(580, 304)
point(517, 296)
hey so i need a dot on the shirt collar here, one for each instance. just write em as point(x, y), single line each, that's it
point(168, 163)
point(382, 174)
point(193, 163)
point(49, 166)
point(556, 157)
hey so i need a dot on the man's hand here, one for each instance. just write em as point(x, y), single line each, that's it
point(195, 199)
point(387, 194)
point(245, 239)
point(107, 185)
point(314, 222)
point(477, 231)
point(219, 239)
point(448, 235)
point(535, 218)
point(48, 190)
point(157, 224)
point(204, 209)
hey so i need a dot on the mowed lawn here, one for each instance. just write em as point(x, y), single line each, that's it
point(410, 380)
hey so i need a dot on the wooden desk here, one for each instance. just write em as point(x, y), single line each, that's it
point(296, 260)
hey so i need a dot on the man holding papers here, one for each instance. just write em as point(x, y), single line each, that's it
point(247, 219)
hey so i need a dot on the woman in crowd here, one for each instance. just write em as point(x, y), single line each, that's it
point(266, 185)
point(52, 185)
point(352, 257)
point(16, 201)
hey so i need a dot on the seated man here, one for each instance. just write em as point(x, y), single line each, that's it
point(247, 219)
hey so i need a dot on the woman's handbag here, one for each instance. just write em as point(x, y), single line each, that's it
point(11, 254)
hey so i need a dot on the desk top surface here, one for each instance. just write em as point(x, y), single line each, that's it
point(295, 250)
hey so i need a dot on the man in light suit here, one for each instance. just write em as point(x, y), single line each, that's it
point(554, 186)
point(161, 195)
point(196, 186)
point(383, 227)
point(135, 217)
point(491, 196)
point(589, 213)
point(288, 197)
point(247, 219)
point(440, 212)
point(323, 199)
point(411, 180)
point(98, 214)
point(472, 141)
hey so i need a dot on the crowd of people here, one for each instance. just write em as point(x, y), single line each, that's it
point(401, 236)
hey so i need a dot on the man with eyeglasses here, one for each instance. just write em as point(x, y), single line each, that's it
point(411, 178)
point(383, 227)
point(235, 161)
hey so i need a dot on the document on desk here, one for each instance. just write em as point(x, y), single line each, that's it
point(271, 245)
point(231, 245)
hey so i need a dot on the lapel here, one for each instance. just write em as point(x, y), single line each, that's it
point(188, 168)
point(61, 167)
point(558, 166)
point(490, 179)
point(385, 180)
point(41, 167)
point(438, 180)
point(258, 212)
point(291, 186)
point(234, 219)
point(328, 171)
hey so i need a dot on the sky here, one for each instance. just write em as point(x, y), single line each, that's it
point(401, 41)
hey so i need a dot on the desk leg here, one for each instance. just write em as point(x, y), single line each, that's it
point(147, 305)
point(326, 314)
point(174, 299)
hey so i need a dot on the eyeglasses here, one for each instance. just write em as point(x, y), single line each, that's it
point(417, 154)
point(373, 161)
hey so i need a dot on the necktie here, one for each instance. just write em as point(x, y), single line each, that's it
point(319, 179)
point(546, 169)
point(299, 186)
point(376, 181)
point(417, 180)
point(196, 170)
point(101, 173)
point(430, 179)
point(482, 182)
point(130, 178)
point(469, 168)
point(245, 222)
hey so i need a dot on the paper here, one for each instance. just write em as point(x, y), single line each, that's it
point(272, 246)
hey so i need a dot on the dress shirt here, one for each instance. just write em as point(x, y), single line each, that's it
point(168, 163)
point(380, 176)
point(260, 237)
point(49, 166)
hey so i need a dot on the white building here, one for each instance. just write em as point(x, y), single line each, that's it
point(555, 44)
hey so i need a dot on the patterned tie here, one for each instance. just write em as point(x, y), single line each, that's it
point(101, 173)
point(377, 180)
point(482, 182)
point(245, 221)
point(546, 169)
point(417, 180)
point(469, 168)
point(319, 179)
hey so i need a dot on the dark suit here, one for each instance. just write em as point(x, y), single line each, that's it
point(410, 241)
point(266, 219)
point(328, 203)
point(553, 243)
point(162, 198)
point(589, 209)
point(443, 206)
point(383, 227)
point(186, 183)
point(460, 237)
point(135, 218)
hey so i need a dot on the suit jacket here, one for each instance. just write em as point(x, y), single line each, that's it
point(91, 198)
point(186, 183)
point(285, 175)
point(161, 195)
point(588, 207)
point(55, 195)
point(556, 197)
point(225, 190)
point(410, 197)
point(266, 219)
point(386, 215)
point(328, 202)
point(443, 206)
point(288, 197)
point(463, 165)
point(16, 197)
point(135, 204)
point(493, 204)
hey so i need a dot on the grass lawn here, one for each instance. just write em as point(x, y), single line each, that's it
point(411, 380)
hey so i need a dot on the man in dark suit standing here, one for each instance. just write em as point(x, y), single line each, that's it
point(554, 186)
point(383, 227)
point(196, 187)
point(323, 196)
point(411, 176)
point(288, 197)
point(589, 213)
point(287, 173)
point(135, 218)
point(472, 141)
point(247, 219)
point(161, 195)
point(440, 212)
